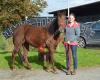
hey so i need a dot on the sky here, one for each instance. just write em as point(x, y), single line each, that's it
point(62, 4)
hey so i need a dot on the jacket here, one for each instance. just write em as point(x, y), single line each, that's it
point(72, 33)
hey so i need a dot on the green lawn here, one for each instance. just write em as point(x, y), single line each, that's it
point(89, 57)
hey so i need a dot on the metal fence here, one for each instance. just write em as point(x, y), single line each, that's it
point(43, 21)
point(37, 21)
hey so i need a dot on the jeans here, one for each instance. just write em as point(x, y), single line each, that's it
point(74, 56)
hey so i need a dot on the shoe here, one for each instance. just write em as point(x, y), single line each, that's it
point(73, 72)
point(68, 72)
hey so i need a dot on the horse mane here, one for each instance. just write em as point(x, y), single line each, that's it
point(50, 27)
point(53, 26)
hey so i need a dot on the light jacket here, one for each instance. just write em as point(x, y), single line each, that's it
point(72, 33)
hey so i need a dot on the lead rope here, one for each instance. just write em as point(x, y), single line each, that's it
point(69, 55)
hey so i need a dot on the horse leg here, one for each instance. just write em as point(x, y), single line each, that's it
point(50, 57)
point(52, 61)
point(50, 67)
point(40, 56)
point(47, 64)
point(25, 55)
point(15, 51)
point(44, 61)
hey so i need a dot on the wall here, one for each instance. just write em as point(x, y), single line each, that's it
point(89, 18)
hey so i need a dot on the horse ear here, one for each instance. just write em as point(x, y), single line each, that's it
point(60, 13)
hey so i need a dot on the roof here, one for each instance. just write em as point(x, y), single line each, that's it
point(90, 7)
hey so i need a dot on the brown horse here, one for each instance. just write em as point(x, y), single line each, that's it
point(45, 37)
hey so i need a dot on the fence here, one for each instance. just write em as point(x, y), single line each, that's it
point(43, 21)
point(37, 21)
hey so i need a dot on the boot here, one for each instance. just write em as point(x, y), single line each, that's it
point(73, 72)
point(68, 72)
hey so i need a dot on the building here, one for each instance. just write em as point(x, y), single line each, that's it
point(84, 12)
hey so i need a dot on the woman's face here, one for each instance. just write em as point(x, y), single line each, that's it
point(71, 18)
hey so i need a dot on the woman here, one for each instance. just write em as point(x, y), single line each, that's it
point(72, 33)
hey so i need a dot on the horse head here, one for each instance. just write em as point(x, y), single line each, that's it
point(61, 17)
point(58, 22)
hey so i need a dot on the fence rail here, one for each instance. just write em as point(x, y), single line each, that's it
point(43, 21)
point(37, 21)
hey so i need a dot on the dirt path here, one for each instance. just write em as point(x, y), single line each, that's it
point(82, 74)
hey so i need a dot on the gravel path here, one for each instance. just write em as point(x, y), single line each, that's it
point(82, 74)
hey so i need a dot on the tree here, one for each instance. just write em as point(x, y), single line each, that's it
point(12, 11)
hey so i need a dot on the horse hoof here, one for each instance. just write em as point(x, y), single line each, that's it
point(48, 69)
point(44, 67)
point(54, 71)
point(29, 67)
point(13, 68)
point(51, 70)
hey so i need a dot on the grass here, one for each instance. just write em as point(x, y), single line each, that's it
point(89, 57)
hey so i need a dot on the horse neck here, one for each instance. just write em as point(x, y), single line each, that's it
point(53, 27)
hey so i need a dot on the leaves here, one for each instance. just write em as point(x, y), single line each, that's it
point(16, 10)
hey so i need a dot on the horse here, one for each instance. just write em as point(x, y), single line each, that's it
point(38, 37)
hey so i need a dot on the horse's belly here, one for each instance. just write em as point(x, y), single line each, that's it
point(35, 41)
point(36, 36)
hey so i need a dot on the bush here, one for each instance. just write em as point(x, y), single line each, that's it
point(5, 44)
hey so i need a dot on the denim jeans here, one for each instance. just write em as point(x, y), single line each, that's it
point(74, 56)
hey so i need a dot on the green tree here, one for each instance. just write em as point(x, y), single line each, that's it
point(12, 11)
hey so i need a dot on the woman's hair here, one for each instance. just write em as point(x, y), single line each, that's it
point(72, 14)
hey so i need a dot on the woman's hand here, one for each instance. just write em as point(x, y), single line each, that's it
point(68, 42)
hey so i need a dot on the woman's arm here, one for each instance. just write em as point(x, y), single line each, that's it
point(77, 32)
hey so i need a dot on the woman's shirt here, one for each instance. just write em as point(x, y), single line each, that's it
point(72, 33)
